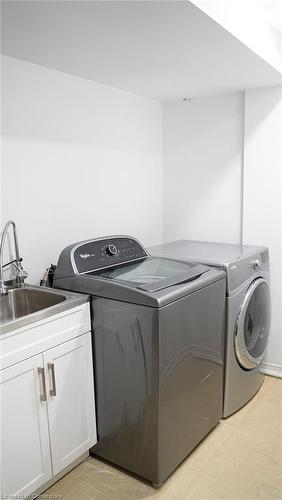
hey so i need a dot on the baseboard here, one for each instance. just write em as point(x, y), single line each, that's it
point(272, 369)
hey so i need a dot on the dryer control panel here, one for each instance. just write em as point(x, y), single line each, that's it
point(94, 255)
point(240, 270)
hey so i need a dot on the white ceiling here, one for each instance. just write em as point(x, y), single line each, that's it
point(250, 22)
point(163, 49)
point(274, 17)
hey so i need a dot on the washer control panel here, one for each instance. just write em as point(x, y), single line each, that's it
point(107, 252)
point(112, 249)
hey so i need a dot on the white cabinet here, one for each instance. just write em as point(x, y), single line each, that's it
point(70, 396)
point(47, 408)
point(25, 450)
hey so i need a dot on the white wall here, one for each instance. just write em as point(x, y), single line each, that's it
point(80, 160)
point(263, 197)
point(202, 168)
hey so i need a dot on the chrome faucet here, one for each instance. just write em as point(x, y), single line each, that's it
point(21, 275)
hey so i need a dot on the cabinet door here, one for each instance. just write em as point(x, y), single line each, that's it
point(71, 407)
point(25, 450)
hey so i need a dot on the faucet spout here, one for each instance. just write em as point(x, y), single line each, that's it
point(21, 274)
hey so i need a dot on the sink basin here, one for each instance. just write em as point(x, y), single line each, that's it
point(25, 305)
point(23, 301)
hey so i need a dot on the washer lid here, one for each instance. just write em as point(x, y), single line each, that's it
point(153, 274)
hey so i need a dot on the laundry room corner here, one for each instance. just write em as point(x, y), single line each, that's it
point(234, 193)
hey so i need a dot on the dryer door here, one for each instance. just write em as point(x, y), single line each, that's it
point(253, 324)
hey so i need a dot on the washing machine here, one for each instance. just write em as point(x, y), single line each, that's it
point(158, 350)
point(248, 308)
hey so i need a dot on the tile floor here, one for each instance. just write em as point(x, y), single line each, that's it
point(240, 459)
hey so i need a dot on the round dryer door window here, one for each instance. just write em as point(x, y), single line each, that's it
point(253, 324)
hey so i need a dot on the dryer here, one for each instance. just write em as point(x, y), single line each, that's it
point(248, 307)
point(157, 330)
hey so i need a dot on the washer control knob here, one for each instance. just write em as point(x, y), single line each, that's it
point(255, 264)
point(112, 249)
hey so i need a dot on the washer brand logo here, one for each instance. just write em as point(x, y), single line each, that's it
point(85, 255)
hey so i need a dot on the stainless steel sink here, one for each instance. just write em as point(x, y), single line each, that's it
point(25, 305)
point(22, 301)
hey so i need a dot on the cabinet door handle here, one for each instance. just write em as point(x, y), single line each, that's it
point(53, 390)
point(41, 373)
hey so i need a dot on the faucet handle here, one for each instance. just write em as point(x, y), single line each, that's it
point(12, 262)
